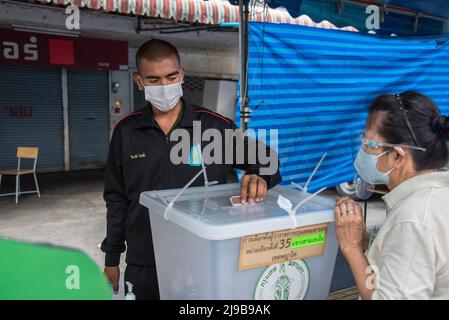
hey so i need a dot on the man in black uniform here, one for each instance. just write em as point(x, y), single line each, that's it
point(139, 160)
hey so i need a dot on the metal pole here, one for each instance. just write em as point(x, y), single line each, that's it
point(65, 117)
point(243, 51)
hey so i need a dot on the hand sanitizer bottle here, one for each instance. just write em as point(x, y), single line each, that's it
point(189, 291)
point(130, 295)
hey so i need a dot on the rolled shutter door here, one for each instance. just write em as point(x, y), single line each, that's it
point(31, 115)
point(88, 110)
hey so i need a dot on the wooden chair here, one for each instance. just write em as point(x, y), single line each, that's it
point(22, 153)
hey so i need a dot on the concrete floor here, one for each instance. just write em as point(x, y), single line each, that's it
point(71, 212)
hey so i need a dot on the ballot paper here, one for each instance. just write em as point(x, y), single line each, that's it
point(235, 201)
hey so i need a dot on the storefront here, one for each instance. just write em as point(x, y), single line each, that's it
point(55, 95)
point(64, 94)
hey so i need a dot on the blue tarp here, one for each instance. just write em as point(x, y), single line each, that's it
point(315, 85)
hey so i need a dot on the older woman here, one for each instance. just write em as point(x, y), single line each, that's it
point(404, 147)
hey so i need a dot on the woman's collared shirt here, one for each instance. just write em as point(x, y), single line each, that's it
point(410, 254)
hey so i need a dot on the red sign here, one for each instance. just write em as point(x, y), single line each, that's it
point(36, 49)
point(20, 112)
point(61, 51)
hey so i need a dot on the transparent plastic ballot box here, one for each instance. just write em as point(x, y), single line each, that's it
point(206, 248)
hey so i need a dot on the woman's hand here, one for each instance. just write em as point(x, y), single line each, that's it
point(349, 225)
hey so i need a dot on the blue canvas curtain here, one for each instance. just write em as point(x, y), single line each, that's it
point(315, 86)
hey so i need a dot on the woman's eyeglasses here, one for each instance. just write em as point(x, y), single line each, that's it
point(377, 144)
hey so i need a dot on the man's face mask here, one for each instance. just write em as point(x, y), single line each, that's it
point(163, 97)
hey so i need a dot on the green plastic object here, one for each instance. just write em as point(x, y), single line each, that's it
point(44, 272)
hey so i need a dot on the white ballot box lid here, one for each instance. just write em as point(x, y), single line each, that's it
point(208, 213)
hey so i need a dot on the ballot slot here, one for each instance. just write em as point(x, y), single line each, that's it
point(198, 202)
point(212, 204)
point(206, 211)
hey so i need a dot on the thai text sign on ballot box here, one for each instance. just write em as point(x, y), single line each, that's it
point(282, 246)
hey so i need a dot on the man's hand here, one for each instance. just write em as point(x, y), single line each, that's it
point(252, 189)
point(113, 276)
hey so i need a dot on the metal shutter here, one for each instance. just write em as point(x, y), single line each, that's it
point(31, 115)
point(193, 90)
point(88, 110)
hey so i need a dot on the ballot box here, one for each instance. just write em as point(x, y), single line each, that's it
point(207, 248)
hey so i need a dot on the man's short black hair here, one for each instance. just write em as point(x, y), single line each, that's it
point(156, 50)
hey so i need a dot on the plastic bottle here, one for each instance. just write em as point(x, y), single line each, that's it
point(130, 295)
point(189, 292)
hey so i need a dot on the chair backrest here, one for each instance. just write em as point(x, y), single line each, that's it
point(27, 152)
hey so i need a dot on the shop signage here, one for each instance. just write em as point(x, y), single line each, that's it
point(37, 49)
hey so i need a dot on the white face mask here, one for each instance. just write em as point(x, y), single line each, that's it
point(163, 97)
point(366, 166)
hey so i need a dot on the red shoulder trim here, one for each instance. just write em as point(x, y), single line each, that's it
point(126, 117)
point(215, 115)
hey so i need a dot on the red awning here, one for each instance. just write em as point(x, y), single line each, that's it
point(194, 11)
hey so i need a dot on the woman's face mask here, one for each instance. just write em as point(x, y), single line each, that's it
point(366, 166)
point(163, 97)
point(366, 163)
